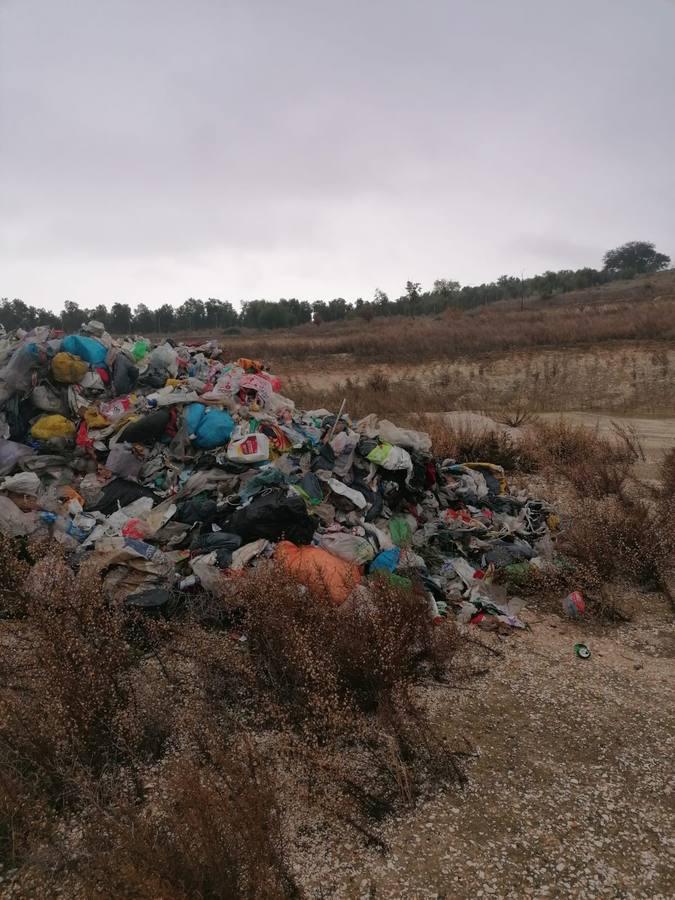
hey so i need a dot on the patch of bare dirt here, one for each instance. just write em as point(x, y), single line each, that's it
point(571, 791)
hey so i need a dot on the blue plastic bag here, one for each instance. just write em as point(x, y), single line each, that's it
point(208, 427)
point(88, 349)
point(387, 559)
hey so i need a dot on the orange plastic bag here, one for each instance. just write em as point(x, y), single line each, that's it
point(319, 570)
point(248, 364)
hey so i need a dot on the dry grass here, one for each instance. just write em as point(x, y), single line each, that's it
point(132, 750)
point(594, 465)
point(465, 442)
point(454, 335)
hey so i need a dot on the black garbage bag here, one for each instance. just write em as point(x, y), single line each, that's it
point(151, 598)
point(216, 540)
point(154, 377)
point(274, 515)
point(148, 429)
point(199, 509)
point(119, 491)
point(125, 375)
point(324, 459)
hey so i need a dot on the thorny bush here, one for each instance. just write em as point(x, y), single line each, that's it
point(89, 721)
point(130, 749)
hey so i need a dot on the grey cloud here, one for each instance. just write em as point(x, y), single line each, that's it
point(158, 149)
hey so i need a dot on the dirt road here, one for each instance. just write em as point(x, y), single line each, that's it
point(571, 794)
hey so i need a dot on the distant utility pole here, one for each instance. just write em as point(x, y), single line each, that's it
point(522, 291)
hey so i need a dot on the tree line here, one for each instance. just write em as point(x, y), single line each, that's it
point(627, 261)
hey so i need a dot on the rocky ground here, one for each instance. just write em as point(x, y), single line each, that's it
point(571, 791)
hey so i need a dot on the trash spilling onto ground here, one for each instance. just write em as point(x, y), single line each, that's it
point(172, 469)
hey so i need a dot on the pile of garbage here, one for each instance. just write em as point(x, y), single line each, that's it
point(172, 469)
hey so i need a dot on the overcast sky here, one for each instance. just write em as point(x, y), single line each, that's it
point(152, 150)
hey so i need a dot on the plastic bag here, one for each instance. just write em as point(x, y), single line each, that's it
point(123, 461)
point(13, 522)
point(349, 547)
point(252, 448)
point(319, 570)
point(125, 374)
point(379, 454)
point(115, 409)
point(86, 348)
point(47, 398)
point(140, 348)
point(164, 357)
point(273, 515)
point(22, 483)
point(48, 427)
point(11, 454)
point(68, 368)
point(18, 371)
point(386, 560)
point(147, 429)
point(208, 427)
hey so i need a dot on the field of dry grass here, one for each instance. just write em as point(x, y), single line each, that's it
point(643, 310)
point(609, 350)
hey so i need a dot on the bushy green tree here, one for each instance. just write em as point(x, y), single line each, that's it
point(635, 258)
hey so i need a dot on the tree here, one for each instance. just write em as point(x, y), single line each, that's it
point(412, 289)
point(120, 318)
point(635, 258)
point(71, 317)
point(445, 286)
point(412, 292)
point(144, 319)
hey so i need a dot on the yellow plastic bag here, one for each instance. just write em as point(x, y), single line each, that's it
point(48, 427)
point(68, 369)
point(94, 419)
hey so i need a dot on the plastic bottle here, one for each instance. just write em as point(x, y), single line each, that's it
point(63, 525)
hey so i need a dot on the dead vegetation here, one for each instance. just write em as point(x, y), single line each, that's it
point(148, 758)
point(465, 335)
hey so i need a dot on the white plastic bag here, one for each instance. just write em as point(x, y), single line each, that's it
point(252, 448)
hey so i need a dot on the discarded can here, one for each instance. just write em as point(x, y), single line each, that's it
point(573, 605)
point(582, 651)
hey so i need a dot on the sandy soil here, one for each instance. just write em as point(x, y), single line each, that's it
point(621, 379)
point(571, 793)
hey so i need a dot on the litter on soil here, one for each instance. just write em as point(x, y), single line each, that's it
point(172, 469)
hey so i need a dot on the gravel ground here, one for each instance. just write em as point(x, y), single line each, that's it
point(571, 794)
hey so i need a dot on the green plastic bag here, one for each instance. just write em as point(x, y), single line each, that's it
point(400, 532)
point(379, 454)
point(139, 349)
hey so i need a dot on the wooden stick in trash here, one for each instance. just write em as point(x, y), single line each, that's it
point(329, 437)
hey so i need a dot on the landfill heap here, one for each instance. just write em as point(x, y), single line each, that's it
point(172, 470)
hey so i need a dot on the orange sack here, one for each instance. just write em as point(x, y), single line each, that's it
point(319, 570)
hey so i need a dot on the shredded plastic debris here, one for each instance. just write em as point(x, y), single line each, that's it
point(173, 469)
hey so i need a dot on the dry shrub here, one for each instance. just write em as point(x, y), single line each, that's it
point(130, 748)
point(209, 828)
point(667, 473)
point(465, 442)
point(348, 673)
point(595, 466)
point(113, 778)
point(610, 543)
point(15, 563)
point(68, 708)
point(325, 662)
